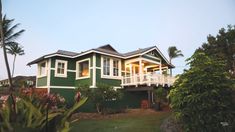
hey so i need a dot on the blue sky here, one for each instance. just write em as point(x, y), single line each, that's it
point(78, 25)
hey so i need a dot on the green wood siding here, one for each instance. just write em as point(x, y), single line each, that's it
point(42, 81)
point(82, 82)
point(98, 60)
point(110, 82)
point(62, 81)
point(71, 62)
point(129, 100)
point(68, 94)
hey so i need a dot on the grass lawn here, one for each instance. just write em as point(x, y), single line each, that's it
point(128, 123)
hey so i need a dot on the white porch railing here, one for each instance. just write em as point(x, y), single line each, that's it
point(148, 79)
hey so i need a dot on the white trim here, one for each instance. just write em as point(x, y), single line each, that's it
point(94, 70)
point(92, 87)
point(141, 58)
point(68, 70)
point(152, 57)
point(62, 87)
point(98, 68)
point(42, 87)
point(77, 68)
point(53, 55)
point(111, 76)
point(45, 74)
point(48, 76)
point(94, 51)
point(65, 68)
point(71, 70)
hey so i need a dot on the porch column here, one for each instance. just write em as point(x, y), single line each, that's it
point(140, 71)
point(160, 67)
point(131, 77)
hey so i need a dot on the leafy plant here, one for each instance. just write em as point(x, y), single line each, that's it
point(201, 98)
point(34, 112)
point(100, 95)
point(160, 94)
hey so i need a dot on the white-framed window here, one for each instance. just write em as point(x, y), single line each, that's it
point(83, 69)
point(115, 67)
point(61, 68)
point(110, 68)
point(42, 69)
point(106, 66)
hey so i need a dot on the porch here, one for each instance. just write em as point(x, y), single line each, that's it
point(149, 71)
point(148, 79)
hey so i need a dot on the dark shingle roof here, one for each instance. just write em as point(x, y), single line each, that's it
point(139, 51)
point(68, 53)
point(60, 52)
point(104, 49)
point(108, 49)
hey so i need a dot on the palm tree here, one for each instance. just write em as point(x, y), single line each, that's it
point(173, 52)
point(8, 36)
point(15, 49)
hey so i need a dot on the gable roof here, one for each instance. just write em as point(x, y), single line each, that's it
point(106, 50)
point(139, 51)
point(58, 53)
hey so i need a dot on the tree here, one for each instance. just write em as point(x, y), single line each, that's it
point(173, 52)
point(15, 49)
point(222, 46)
point(7, 36)
point(201, 98)
point(100, 95)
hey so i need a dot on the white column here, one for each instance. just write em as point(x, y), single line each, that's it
point(48, 65)
point(131, 77)
point(160, 67)
point(94, 71)
point(140, 71)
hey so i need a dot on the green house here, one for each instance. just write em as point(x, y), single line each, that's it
point(137, 72)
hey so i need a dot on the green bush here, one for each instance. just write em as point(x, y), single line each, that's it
point(201, 98)
point(100, 95)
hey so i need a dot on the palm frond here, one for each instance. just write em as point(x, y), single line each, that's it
point(14, 36)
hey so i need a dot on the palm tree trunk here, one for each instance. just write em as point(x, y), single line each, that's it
point(13, 67)
point(171, 68)
point(7, 63)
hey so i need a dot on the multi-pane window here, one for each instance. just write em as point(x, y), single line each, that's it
point(83, 69)
point(61, 68)
point(111, 67)
point(42, 69)
point(115, 67)
point(106, 66)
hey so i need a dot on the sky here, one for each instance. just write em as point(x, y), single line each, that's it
point(78, 25)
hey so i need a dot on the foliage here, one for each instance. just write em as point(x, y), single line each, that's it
point(161, 94)
point(100, 95)
point(173, 52)
point(35, 111)
point(15, 49)
point(222, 46)
point(201, 98)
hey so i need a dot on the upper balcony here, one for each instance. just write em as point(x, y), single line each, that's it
point(148, 79)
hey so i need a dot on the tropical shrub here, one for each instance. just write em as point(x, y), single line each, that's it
point(160, 94)
point(100, 95)
point(37, 112)
point(201, 98)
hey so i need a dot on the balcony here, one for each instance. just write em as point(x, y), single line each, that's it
point(148, 79)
